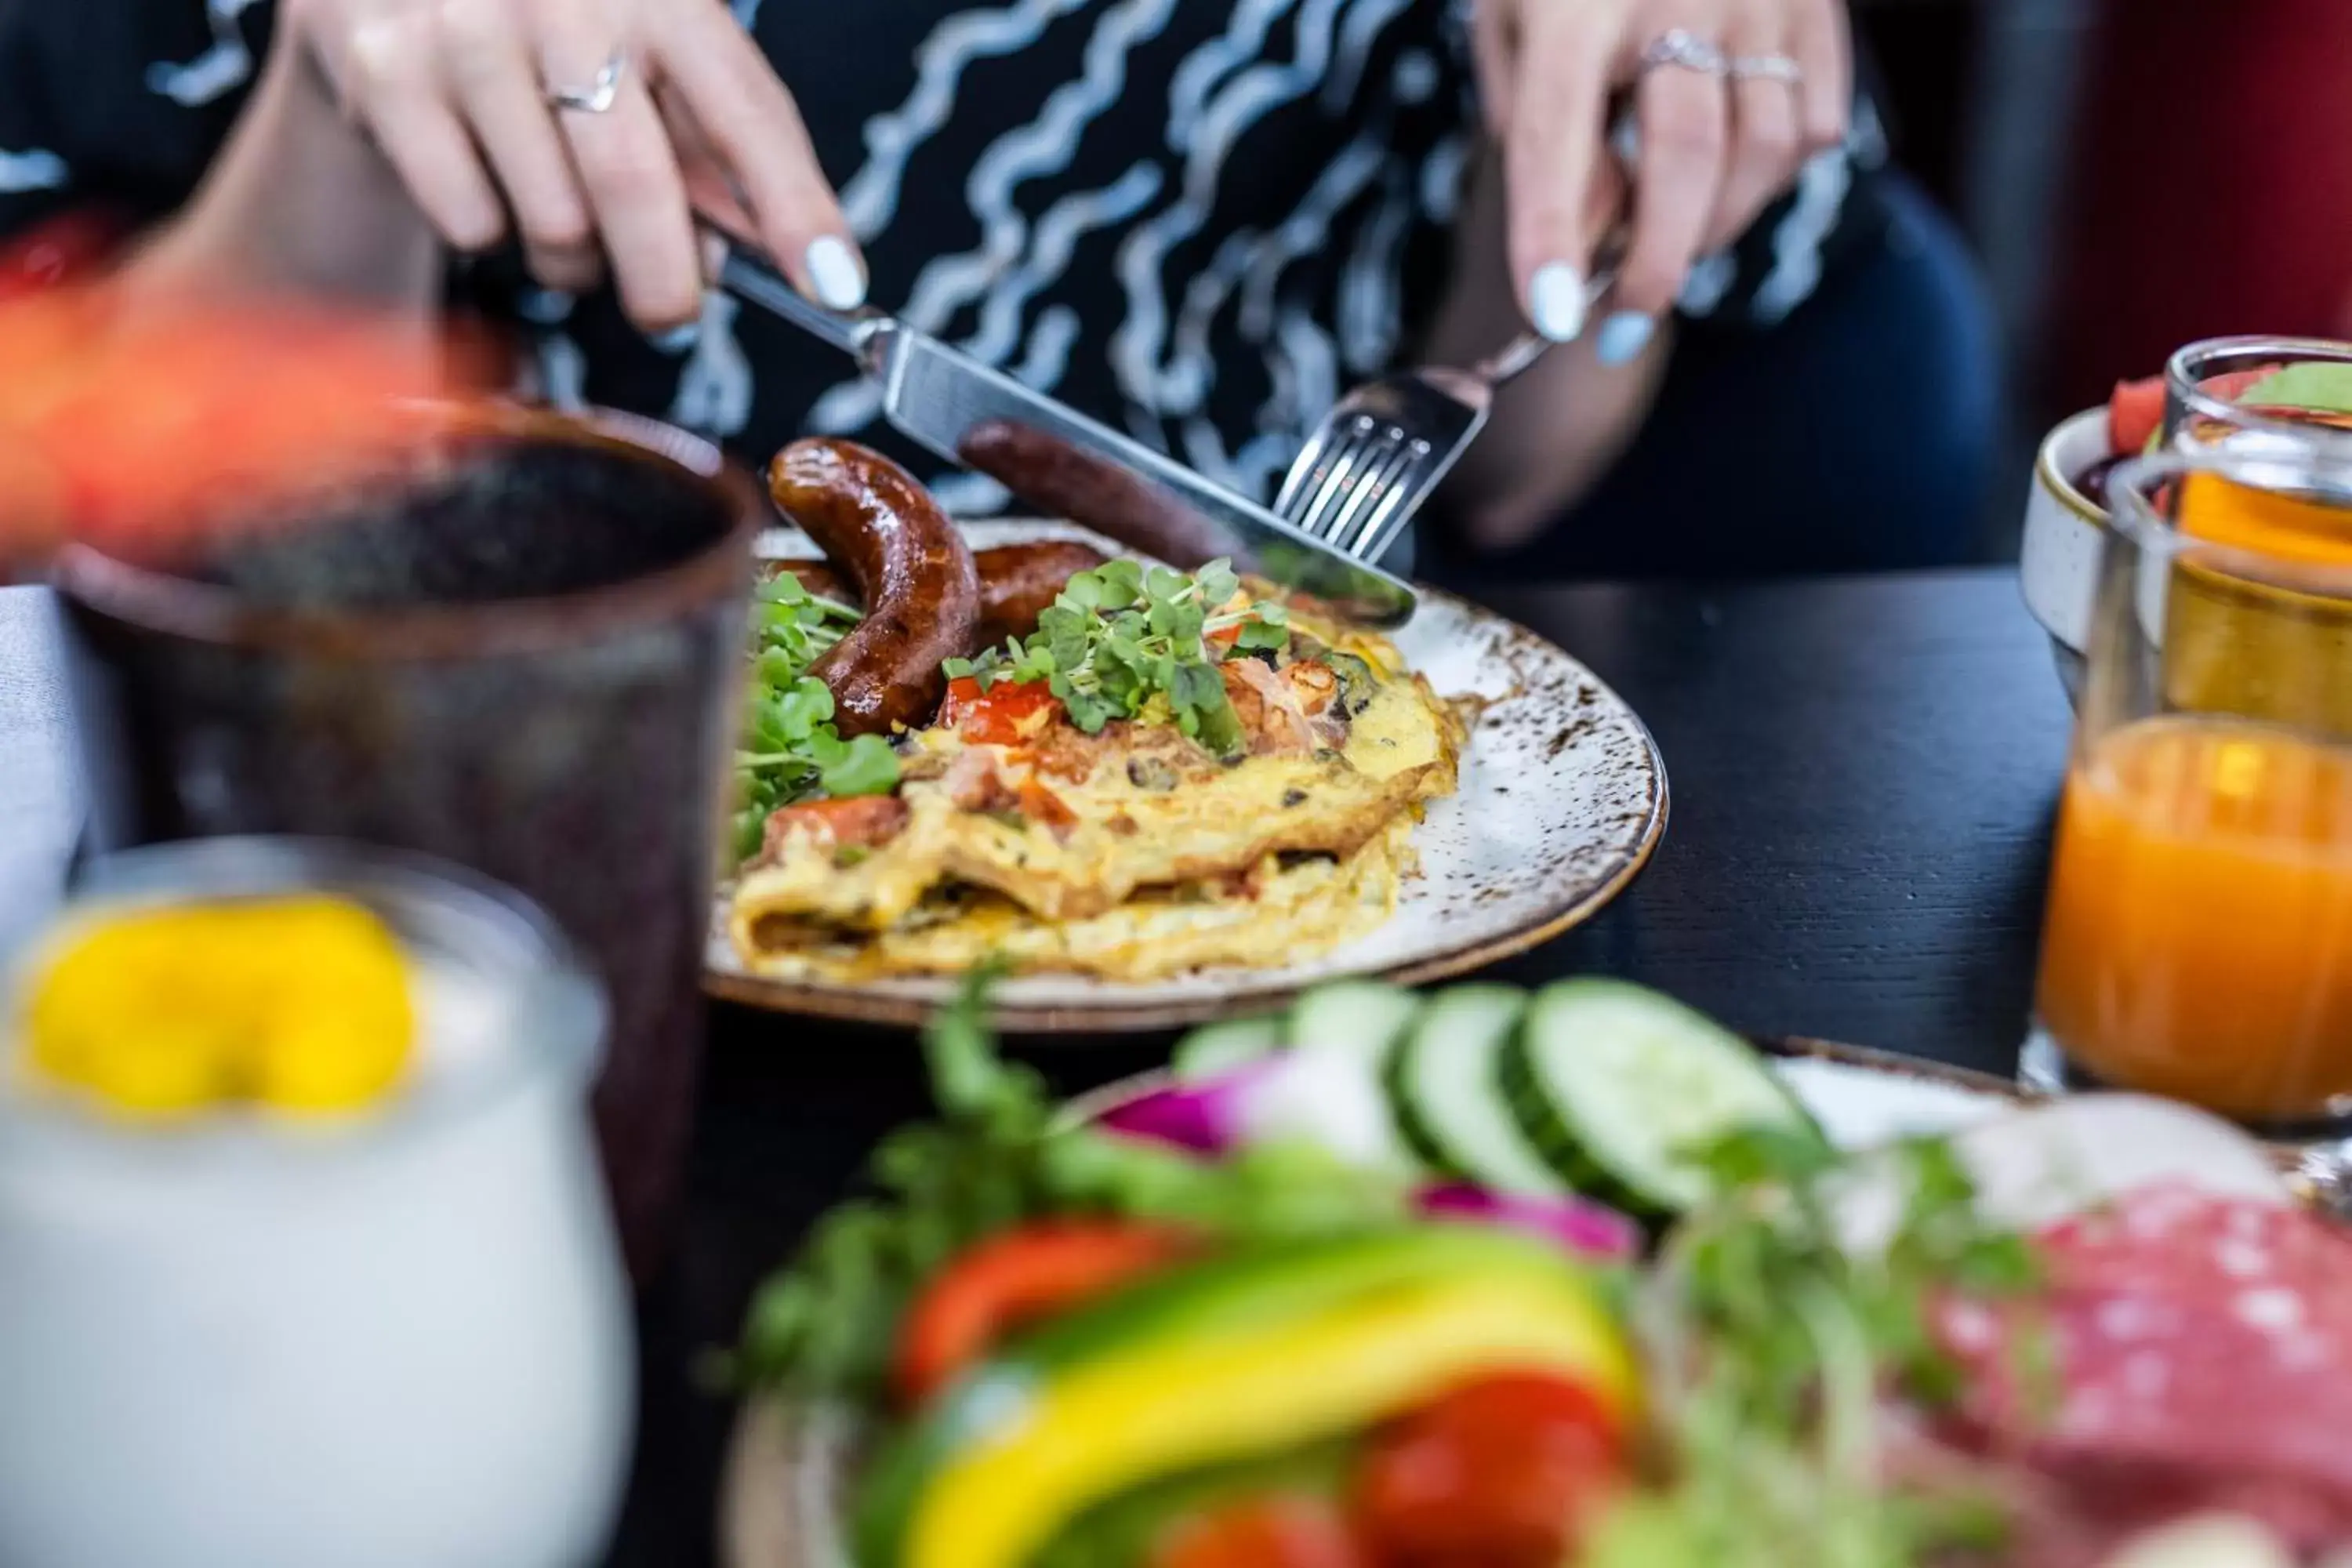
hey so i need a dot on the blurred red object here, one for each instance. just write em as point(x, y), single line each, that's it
point(68, 251)
point(2212, 185)
point(142, 423)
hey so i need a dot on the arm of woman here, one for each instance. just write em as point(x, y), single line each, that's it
point(298, 203)
point(145, 123)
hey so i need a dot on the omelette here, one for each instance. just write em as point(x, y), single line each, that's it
point(1133, 852)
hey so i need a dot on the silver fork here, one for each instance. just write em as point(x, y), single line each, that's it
point(1384, 446)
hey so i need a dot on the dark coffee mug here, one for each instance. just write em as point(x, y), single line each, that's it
point(521, 651)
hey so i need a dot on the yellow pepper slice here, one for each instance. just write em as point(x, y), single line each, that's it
point(1161, 1410)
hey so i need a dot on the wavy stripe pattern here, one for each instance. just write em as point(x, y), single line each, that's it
point(220, 70)
point(34, 169)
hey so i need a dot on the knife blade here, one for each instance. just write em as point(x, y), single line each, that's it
point(1064, 465)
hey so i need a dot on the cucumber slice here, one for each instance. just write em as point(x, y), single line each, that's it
point(1353, 1015)
point(1445, 1082)
point(1361, 1018)
point(1617, 1085)
point(1357, 1028)
point(1215, 1049)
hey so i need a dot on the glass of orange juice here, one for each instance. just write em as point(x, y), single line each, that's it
point(2198, 942)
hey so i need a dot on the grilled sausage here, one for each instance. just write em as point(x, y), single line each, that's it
point(1060, 481)
point(911, 569)
point(1017, 582)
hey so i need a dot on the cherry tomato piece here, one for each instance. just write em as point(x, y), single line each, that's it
point(1016, 1278)
point(1004, 715)
point(1266, 1532)
point(1042, 806)
point(1498, 1473)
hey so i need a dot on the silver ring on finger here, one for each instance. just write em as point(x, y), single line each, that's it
point(1766, 67)
point(1686, 50)
point(600, 93)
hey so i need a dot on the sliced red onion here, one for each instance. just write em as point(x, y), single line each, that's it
point(1329, 1098)
point(1584, 1227)
point(1208, 1118)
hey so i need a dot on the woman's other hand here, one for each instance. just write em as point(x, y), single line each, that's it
point(462, 99)
point(1718, 139)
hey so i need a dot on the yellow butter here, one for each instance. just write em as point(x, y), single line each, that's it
point(301, 1004)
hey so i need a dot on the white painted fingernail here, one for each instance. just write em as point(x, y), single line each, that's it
point(678, 340)
point(1626, 140)
point(714, 256)
point(1624, 336)
point(835, 274)
point(1556, 301)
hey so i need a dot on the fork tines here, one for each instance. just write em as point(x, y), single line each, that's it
point(1354, 491)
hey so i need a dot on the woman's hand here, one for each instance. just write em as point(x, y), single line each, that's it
point(458, 96)
point(1716, 146)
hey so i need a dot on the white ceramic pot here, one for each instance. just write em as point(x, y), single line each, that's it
point(396, 1343)
point(2059, 568)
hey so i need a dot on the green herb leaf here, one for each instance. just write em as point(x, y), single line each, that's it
point(1082, 593)
point(1120, 635)
point(802, 705)
point(968, 1079)
point(1089, 709)
point(1218, 584)
point(791, 749)
point(1124, 577)
point(867, 766)
point(1261, 635)
point(1203, 711)
point(1070, 637)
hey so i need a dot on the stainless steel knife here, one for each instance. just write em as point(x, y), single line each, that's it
point(1064, 465)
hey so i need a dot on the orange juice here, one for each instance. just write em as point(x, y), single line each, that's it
point(2276, 523)
point(2274, 648)
point(2199, 941)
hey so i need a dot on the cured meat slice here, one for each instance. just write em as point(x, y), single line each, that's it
point(2174, 1241)
point(2195, 1351)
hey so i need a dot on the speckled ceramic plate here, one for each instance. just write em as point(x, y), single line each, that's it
point(1562, 798)
point(788, 1469)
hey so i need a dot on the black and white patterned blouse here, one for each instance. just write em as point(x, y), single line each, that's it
point(1200, 221)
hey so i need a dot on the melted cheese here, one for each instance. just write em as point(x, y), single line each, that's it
point(1296, 911)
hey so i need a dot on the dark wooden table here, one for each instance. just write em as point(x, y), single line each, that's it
point(1864, 773)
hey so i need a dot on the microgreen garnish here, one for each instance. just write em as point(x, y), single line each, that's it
point(791, 749)
point(1792, 1337)
point(1122, 634)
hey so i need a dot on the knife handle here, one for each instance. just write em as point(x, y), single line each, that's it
point(754, 280)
